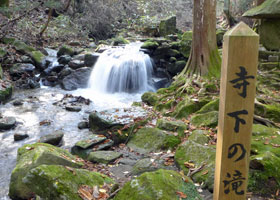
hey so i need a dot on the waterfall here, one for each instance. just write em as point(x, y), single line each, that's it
point(122, 69)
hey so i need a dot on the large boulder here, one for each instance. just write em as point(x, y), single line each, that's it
point(171, 125)
point(77, 79)
point(33, 155)
point(167, 26)
point(65, 50)
point(104, 157)
point(191, 154)
point(17, 70)
point(209, 119)
point(268, 9)
point(91, 59)
point(162, 184)
point(58, 182)
point(149, 98)
point(265, 160)
point(148, 140)
point(7, 123)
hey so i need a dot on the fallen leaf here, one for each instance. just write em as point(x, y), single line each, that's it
point(266, 141)
point(205, 172)
point(189, 165)
point(85, 194)
point(181, 194)
point(275, 145)
point(120, 132)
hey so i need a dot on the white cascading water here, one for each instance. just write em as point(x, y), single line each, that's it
point(123, 69)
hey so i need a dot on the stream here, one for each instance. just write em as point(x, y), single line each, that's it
point(38, 107)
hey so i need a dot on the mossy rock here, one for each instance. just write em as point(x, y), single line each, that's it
point(160, 185)
point(268, 9)
point(192, 152)
point(148, 140)
point(265, 160)
point(149, 98)
point(165, 105)
point(177, 67)
point(186, 44)
point(58, 182)
point(33, 155)
point(22, 47)
point(104, 157)
point(65, 50)
point(270, 34)
point(209, 119)
point(211, 106)
point(268, 65)
point(5, 93)
point(99, 123)
point(174, 126)
point(150, 44)
point(199, 136)
point(270, 111)
point(38, 58)
point(187, 107)
point(167, 26)
point(119, 40)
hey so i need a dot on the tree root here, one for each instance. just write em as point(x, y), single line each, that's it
point(195, 170)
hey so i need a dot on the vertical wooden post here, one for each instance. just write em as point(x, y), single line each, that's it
point(236, 110)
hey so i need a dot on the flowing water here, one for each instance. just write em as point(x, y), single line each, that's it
point(119, 78)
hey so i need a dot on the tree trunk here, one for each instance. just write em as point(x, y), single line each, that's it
point(4, 3)
point(204, 58)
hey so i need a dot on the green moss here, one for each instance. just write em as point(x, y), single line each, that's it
point(198, 154)
point(5, 93)
point(7, 40)
point(268, 9)
point(37, 57)
point(161, 185)
point(120, 40)
point(150, 44)
point(148, 140)
point(214, 68)
point(1, 74)
point(167, 26)
point(265, 160)
point(211, 106)
point(22, 47)
point(270, 111)
point(186, 44)
point(149, 98)
point(199, 136)
point(33, 155)
point(209, 119)
point(187, 107)
point(270, 34)
point(57, 182)
point(175, 126)
point(163, 106)
point(65, 50)
point(2, 52)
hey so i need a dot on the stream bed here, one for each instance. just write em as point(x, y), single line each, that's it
point(42, 113)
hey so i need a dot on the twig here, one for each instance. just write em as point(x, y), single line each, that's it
point(47, 23)
point(195, 170)
point(114, 193)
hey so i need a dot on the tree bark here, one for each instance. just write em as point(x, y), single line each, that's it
point(204, 58)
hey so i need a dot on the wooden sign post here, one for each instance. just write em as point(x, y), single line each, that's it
point(236, 110)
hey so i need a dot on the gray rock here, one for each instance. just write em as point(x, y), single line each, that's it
point(21, 68)
point(90, 141)
point(78, 79)
point(73, 108)
point(20, 136)
point(7, 123)
point(83, 125)
point(76, 64)
point(90, 59)
point(53, 138)
point(65, 72)
point(17, 102)
point(64, 60)
point(272, 58)
point(104, 157)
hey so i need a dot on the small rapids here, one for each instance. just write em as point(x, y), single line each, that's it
point(123, 69)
